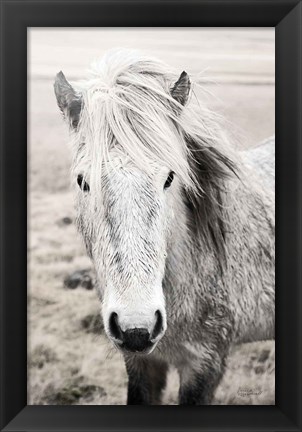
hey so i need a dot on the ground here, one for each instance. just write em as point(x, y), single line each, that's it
point(70, 360)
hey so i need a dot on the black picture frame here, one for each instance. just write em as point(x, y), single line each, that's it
point(16, 17)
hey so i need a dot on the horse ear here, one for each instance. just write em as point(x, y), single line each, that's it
point(181, 89)
point(68, 100)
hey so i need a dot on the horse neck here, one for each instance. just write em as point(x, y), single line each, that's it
point(193, 260)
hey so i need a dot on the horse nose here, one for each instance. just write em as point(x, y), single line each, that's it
point(136, 339)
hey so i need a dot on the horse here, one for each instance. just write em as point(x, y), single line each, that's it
point(179, 230)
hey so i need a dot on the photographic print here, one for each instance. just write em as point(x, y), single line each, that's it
point(151, 228)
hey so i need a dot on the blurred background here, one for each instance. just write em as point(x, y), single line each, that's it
point(70, 360)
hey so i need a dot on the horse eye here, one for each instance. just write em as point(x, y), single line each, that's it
point(84, 186)
point(169, 180)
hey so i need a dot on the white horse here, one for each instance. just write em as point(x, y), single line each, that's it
point(182, 240)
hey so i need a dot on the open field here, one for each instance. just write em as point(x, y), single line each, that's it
point(70, 360)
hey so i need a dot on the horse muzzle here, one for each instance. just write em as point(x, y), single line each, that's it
point(136, 339)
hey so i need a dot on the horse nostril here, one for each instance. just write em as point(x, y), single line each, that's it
point(114, 326)
point(158, 325)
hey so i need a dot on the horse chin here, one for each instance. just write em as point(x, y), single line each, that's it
point(144, 352)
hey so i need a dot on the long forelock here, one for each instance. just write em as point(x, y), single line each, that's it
point(135, 112)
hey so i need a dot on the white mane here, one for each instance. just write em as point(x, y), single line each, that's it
point(127, 103)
